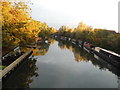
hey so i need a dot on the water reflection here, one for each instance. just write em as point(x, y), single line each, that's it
point(109, 67)
point(42, 48)
point(53, 70)
point(23, 76)
point(74, 49)
point(11, 56)
point(119, 83)
point(79, 53)
point(82, 55)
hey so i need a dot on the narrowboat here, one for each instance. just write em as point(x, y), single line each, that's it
point(88, 47)
point(107, 65)
point(52, 36)
point(77, 41)
point(40, 41)
point(73, 41)
point(55, 36)
point(62, 38)
point(65, 38)
point(80, 44)
point(69, 39)
point(107, 55)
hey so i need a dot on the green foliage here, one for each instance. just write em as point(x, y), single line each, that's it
point(46, 31)
point(2, 67)
point(19, 28)
point(99, 37)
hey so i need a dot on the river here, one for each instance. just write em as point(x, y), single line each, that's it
point(63, 65)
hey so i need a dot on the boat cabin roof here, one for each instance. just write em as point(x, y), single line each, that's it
point(108, 51)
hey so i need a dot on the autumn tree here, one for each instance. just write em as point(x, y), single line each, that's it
point(18, 27)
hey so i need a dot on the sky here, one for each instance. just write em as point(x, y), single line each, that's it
point(96, 13)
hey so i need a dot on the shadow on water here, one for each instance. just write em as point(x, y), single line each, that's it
point(10, 57)
point(22, 76)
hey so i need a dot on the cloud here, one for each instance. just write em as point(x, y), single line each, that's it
point(97, 13)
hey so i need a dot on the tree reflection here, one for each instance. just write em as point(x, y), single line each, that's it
point(78, 55)
point(81, 55)
point(23, 76)
point(51, 40)
point(65, 45)
point(42, 48)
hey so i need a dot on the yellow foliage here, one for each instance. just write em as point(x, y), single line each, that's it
point(17, 25)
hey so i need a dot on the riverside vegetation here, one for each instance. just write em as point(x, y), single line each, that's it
point(19, 27)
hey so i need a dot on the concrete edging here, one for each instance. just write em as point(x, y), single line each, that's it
point(14, 64)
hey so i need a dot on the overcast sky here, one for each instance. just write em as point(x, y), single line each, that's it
point(96, 13)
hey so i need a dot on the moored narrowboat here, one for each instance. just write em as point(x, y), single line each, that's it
point(77, 41)
point(56, 36)
point(88, 47)
point(65, 38)
point(61, 37)
point(107, 55)
point(80, 44)
point(107, 65)
point(73, 41)
point(69, 39)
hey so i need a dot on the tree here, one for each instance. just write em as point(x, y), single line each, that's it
point(17, 25)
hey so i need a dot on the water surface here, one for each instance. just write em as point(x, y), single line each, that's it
point(62, 65)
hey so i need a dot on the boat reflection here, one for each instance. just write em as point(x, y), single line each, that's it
point(24, 76)
point(81, 55)
point(110, 67)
